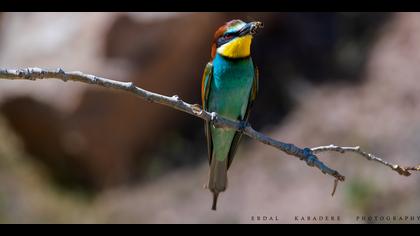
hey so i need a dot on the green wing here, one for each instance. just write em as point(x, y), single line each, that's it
point(205, 88)
point(252, 96)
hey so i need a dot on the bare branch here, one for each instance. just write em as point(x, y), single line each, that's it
point(401, 170)
point(305, 154)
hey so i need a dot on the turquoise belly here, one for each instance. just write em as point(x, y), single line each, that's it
point(229, 94)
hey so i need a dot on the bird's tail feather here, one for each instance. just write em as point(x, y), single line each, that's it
point(218, 179)
point(215, 196)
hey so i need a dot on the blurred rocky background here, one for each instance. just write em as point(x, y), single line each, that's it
point(74, 153)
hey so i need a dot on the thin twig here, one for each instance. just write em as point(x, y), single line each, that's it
point(335, 187)
point(305, 154)
point(399, 169)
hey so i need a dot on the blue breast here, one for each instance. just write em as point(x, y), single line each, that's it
point(231, 86)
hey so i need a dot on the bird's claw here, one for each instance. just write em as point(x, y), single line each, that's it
point(242, 125)
point(213, 118)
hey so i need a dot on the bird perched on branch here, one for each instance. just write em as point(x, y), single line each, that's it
point(229, 88)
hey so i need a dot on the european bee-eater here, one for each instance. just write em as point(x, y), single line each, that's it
point(229, 88)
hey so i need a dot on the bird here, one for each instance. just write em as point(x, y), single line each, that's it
point(229, 88)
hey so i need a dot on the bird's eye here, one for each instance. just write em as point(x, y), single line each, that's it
point(228, 36)
point(225, 38)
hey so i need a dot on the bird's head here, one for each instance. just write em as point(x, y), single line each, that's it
point(233, 39)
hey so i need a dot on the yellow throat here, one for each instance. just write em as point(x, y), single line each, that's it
point(237, 48)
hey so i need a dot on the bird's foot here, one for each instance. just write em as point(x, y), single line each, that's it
point(243, 124)
point(213, 118)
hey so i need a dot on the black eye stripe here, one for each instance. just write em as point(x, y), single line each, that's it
point(230, 34)
point(226, 38)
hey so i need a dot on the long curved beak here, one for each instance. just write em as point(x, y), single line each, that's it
point(251, 28)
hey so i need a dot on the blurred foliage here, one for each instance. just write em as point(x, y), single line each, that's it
point(360, 194)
